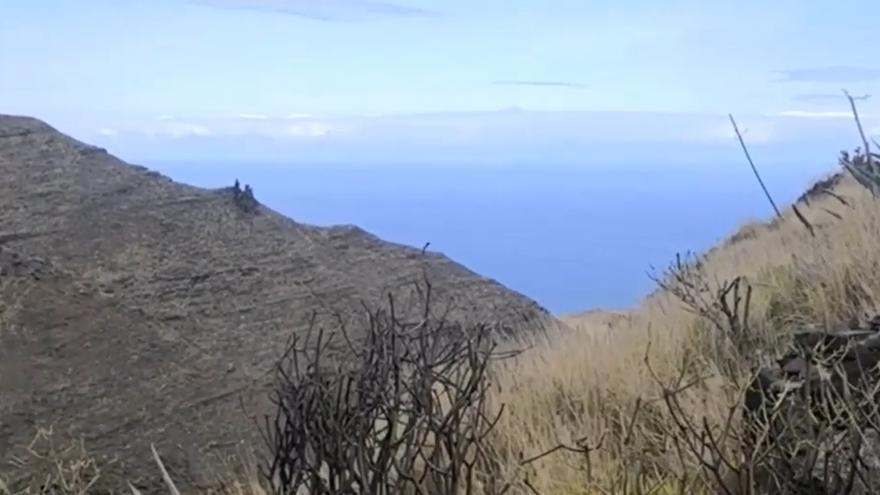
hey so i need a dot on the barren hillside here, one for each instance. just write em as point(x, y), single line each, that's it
point(137, 309)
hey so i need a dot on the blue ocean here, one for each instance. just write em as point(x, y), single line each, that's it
point(572, 236)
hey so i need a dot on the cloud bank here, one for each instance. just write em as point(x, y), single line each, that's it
point(821, 97)
point(542, 84)
point(831, 74)
point(504, 136)
point(325, 10)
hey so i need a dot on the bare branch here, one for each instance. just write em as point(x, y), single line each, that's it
point(855, 111)
point(754, 168)
point(408, 413)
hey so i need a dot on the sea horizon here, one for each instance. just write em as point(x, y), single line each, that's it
point(572, 237)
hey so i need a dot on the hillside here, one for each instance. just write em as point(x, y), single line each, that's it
point(601, 380)
point(137, 309)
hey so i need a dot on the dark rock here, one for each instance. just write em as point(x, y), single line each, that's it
point(820, 403)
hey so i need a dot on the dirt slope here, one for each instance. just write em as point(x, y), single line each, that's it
point(136, 309)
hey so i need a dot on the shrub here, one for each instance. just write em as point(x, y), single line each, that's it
point(401, 407)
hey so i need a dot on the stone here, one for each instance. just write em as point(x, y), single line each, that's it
point(820, 403)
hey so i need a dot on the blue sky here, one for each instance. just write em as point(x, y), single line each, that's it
point(333, 79)
point(605, 118)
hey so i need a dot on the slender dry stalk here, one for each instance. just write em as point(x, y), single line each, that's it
point(855, 111)
point(794, 207)
point(752, 164)
point(172, 489)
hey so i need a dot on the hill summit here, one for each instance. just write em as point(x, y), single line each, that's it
point(135, 309)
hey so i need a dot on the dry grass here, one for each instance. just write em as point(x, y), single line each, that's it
point(53, 466)
point(583, 384)
point(56, 464)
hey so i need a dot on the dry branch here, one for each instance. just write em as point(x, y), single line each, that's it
point(754, 168)
point(403, 409)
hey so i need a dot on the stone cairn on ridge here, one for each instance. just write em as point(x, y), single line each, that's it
point(244, 199)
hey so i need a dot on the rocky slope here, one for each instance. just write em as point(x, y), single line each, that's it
point(134, 309)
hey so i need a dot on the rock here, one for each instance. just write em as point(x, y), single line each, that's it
point(819, 405)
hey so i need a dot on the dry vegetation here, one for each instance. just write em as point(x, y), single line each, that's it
point(581, 387)
point(615, 405)
point(584, 410)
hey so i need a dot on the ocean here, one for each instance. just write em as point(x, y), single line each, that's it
point(572, 237)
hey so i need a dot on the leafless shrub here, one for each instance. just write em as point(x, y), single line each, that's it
point(795, 428)
point(814, 434)
point(807, 424)
point(403, 409)
point(863, 164)
point(723, 304)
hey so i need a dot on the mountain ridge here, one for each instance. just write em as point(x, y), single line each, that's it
point(137, 309)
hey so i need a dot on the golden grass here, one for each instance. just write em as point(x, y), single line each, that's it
point(585, 381)
point(53, 467)
point(57, 464)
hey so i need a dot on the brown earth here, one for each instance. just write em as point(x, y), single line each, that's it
point(134, 309)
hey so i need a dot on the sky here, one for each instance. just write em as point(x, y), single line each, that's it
point(450, 80)
point(523, 138)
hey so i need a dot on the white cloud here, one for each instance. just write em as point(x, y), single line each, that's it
point(838, 73)
point(308, 130)
point(820, 115)
point(507, 129)
point(183, 129)
point(326, 10)
point(106, 131)
point(500, 136)
point(165, 117)
point(242, 125)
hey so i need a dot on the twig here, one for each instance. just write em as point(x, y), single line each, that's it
point(134, 491)
point(752, 164)
point(581, 448)
point(833, 214)
point(864, 173)
point(855, 111)
point(408, 411)
point(165, 476)
point(797, 212)
point(803, 220)
point(837, 197)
